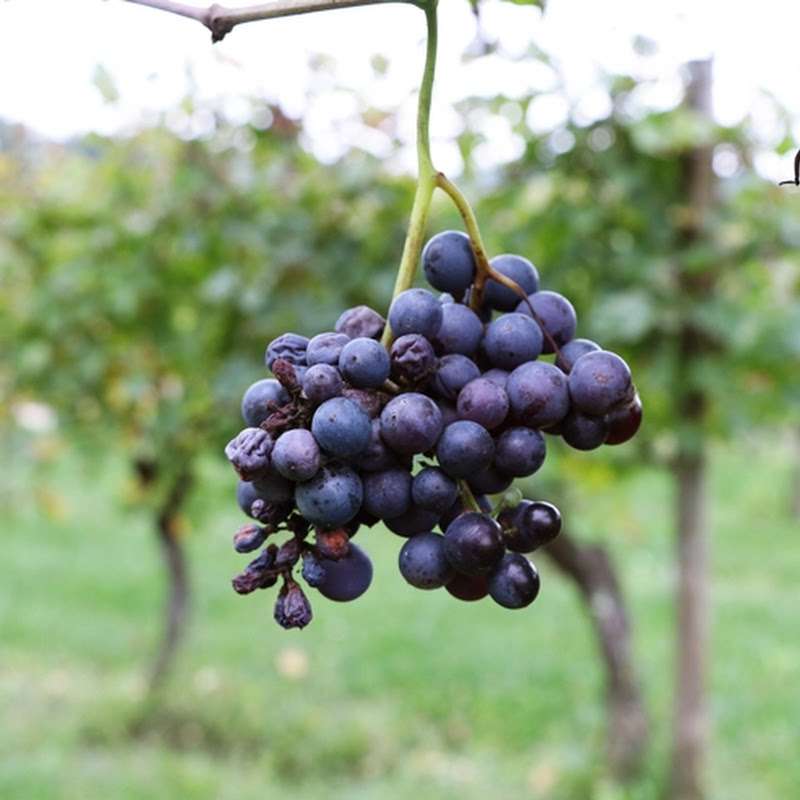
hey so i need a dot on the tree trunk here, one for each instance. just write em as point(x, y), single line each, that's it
point(691, 727)
point(593, 572)
point(691, 723)
point(167, 531)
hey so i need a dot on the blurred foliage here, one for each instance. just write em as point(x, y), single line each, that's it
point(142, 277)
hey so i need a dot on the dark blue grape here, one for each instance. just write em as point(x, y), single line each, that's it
point(321, 382)
point(261, 399)
point(570, 352)
point(490, 481)
point(599, 381)
point(412, 357)
point(538, 394)
point(347, 578)
point(415, 311)
point(519, 270)
point(449, 262)
point(325, 348)
point(377, 455)
point(461, 331)
point(360, 321)
point(583, 431)
point(519, 451)
point(411, 423)
point(484, 402)
point(514, 582)
point(555, 313)
point(296, 454)
point(423, 563)
point(387, 494)
point(467, 587)
point(453, 372)
point(246, 495)
point(511, 340)
point(464, 448)
point(290, 347)
point(530, 525)
point(342, 427)
point(273, 487)
point(364, 363)
point(474, 543)
point(434, 490)
point(313, 569)
point(415, 520)
point(332, 497)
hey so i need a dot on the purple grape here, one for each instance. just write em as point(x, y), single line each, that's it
point(387, 494)
point(415, 311)
point(296, 454)
point(453, 372)
point(290, 347)
point(415, 520)
point(273, 487)
point(325, 348)
point(246, 495)
point(583, 431)
point(360, 321)
point(490, 481)
point(461, 331)
point(519, 270)
point(464, 448)
point(519, 451)
point(484, 402)
point(321, 382)
point(555, 313)
point(538, 394)
point(332, 497)
point(364, 363)
point(449, 262)
point(313, 569)
point(530, 525)
point(624, 420)
point(434, 490)
point(412, 357)
point(249, 452)
point(514, 582)
point(342, 427)
point(261, 399)
point(411, 423)
point(347, 578)
point(474, 543)
point(249, 537)
point(570, 352)
point(511, 340)
point(599, 381)
point(423, 563)
point(377, 455)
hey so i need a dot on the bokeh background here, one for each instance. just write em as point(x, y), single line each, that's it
point(167, 207)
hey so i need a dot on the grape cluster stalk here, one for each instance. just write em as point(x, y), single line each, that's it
point(421, 420)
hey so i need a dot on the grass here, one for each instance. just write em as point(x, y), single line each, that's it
point(400, 694)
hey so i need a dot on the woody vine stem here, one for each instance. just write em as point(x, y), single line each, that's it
point(221, 21)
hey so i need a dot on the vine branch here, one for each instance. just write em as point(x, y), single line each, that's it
point(221, 20)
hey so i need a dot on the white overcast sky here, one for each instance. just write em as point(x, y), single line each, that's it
point(49, 50)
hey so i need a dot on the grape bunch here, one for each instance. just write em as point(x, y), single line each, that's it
point(421, 434)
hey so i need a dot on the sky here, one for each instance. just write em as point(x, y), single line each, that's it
point(50, 51)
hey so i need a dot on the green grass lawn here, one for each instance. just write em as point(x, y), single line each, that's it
point(400, 694)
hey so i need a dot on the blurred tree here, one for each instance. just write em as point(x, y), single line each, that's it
point(142, 276)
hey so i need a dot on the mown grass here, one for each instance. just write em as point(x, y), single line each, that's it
point(400, 694)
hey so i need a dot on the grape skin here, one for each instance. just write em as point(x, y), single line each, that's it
point(422, 561)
